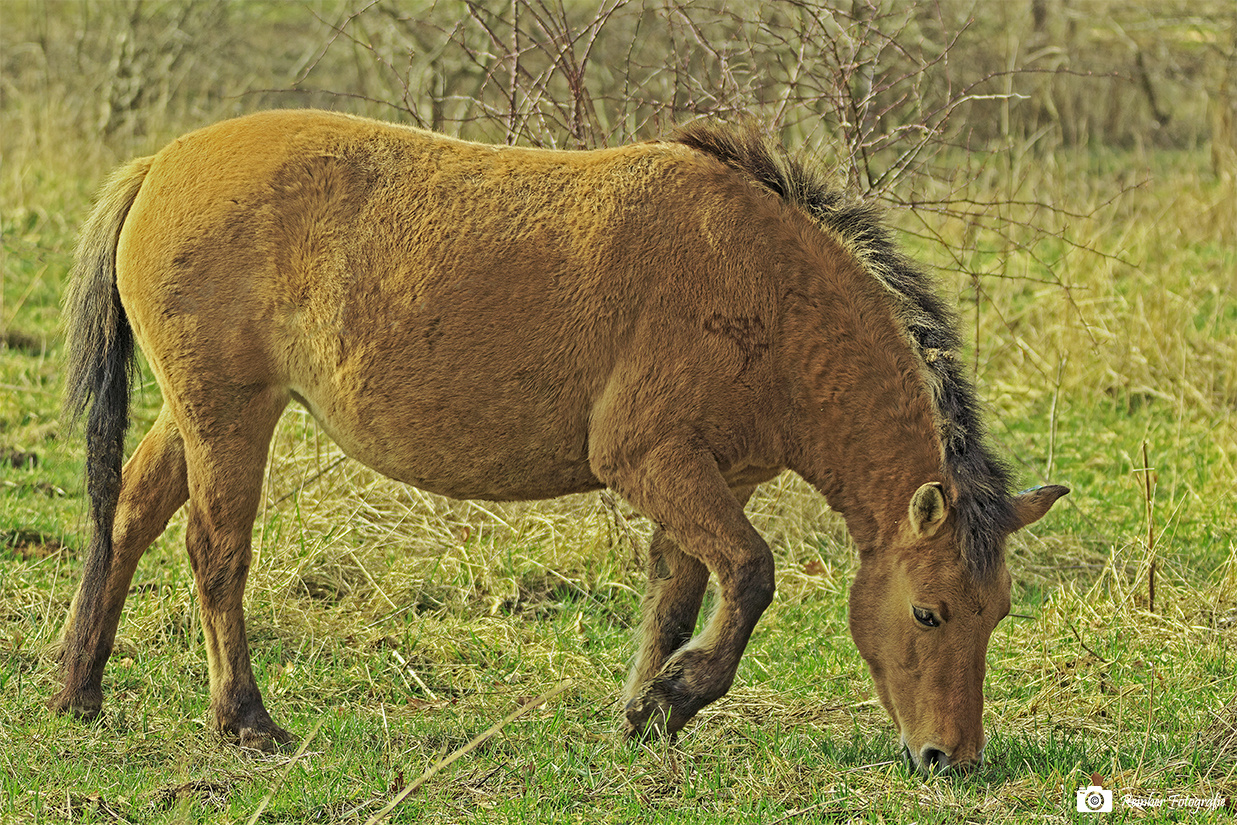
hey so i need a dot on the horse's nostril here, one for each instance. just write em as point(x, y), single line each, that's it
point(934, 759)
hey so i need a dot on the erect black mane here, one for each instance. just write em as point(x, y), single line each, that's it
point(982, 480)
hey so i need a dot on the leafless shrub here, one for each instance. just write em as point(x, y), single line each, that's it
point(869, 86)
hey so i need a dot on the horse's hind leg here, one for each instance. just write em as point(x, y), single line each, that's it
point(153, 487)
point(226, 464)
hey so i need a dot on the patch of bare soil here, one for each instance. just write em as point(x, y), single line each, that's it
point(23, 342)
point(30, 544)
point(19, 459)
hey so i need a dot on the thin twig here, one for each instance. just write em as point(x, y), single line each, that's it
point(283, 776)
point(467, 749)
point(1149, 494)
point(1052, 418)
point(311, 479)
point(1085, 646)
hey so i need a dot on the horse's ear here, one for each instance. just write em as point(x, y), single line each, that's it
point(928, 508)
point(1031, 505)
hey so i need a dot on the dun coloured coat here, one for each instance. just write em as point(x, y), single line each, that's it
point(678, 321)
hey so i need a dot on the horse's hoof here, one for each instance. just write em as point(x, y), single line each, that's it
point(267, 740)
point(84, 705)
point(662, 708)
point(648, 717)
point(253, 729)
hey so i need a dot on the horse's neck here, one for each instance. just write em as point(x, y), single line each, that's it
point(864, 428)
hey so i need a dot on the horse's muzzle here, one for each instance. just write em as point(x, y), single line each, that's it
point(933, 762)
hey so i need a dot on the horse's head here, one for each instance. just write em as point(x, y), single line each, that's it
point(921, 616)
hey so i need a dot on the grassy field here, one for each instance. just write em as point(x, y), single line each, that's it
point(396, 625)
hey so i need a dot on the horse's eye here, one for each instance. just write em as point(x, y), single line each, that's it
point(925, 618)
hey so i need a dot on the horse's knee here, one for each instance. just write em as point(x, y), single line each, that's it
point(754, 584)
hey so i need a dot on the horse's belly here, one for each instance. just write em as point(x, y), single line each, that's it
point(483, 471)
point(459, 451)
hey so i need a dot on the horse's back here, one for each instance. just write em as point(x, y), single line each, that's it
point(452, 313)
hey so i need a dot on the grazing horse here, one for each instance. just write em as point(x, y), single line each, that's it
point(677, 320)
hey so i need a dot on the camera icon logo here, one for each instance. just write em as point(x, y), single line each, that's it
point(1093, 799)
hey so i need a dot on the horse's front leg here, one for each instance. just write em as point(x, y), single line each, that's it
point(683, 491)
point(671, 606)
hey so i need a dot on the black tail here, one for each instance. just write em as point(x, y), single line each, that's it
point(101, 362)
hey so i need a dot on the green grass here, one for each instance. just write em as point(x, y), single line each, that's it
point(799, 729)
point(407, 624)
point(1093, 682)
